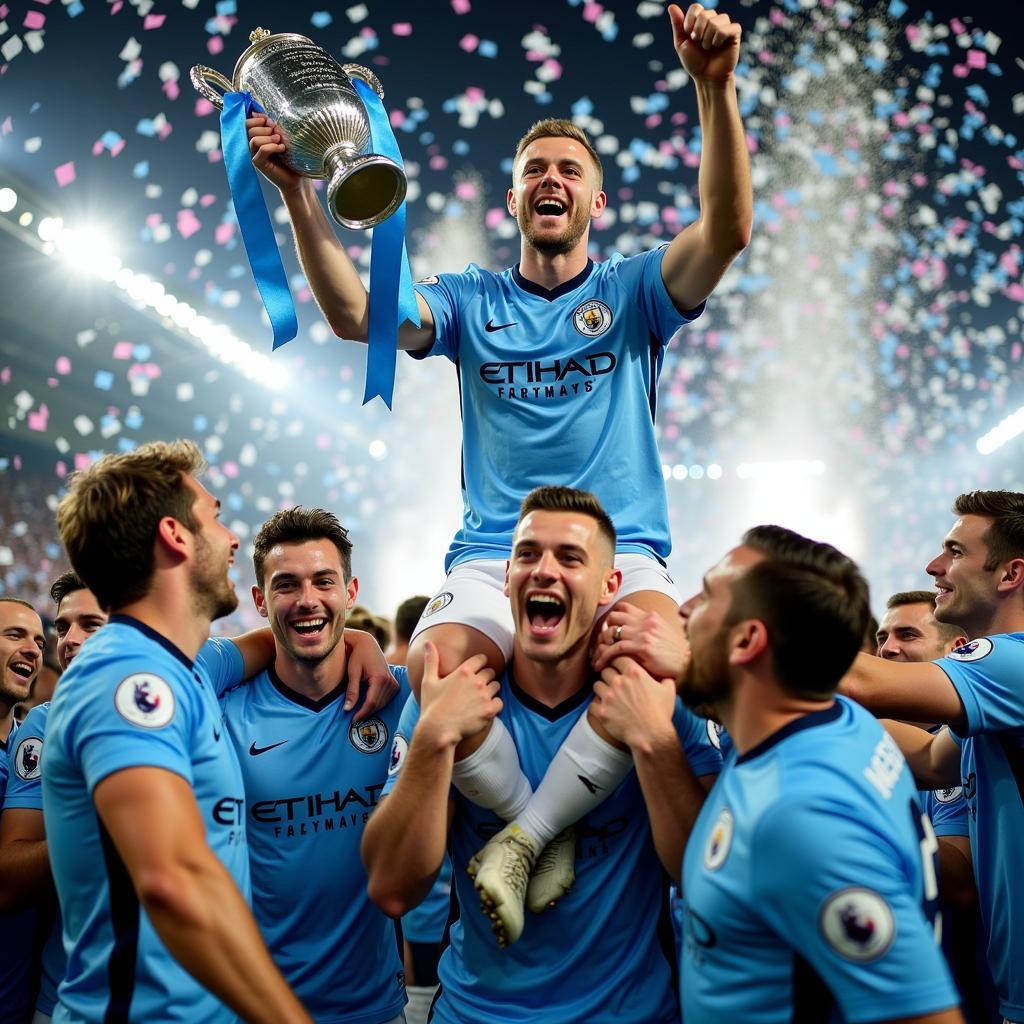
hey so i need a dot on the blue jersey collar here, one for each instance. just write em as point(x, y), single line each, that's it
point(582, 695)
point(563, 289)
point(128, 620)
point(808, 721)
point(300, 698)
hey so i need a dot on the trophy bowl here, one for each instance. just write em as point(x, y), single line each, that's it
point(321, 119)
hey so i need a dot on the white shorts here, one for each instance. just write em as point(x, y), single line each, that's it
point(474, 595)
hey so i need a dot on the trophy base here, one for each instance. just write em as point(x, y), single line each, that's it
point(364, 190)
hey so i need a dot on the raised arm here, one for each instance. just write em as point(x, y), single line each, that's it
point(933, 758)
point(331, 274)
point(708, 46)
point(189, 897)
point(405, 839)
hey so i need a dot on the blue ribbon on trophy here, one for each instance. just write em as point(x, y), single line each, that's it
point(336, 127)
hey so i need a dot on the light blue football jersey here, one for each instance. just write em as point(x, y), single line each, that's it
point(25, 792)
point(597, 955)
point(132, 699)
point(988, 674)
point(809, 882)
point(558, 385)
point(17, 931)
point(312, 778)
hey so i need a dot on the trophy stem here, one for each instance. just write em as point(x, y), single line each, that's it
point(362, 191)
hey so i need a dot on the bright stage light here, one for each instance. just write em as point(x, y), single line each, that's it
point(86, 250)
point(8, 200)
point(50, 228)
point(788, 469)
point(1002, 433)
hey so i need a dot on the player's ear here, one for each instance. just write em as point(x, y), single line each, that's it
point(1013, 575)
point(749, 640)
point(610, 587)
point(260, 602)
point(508, 565)
point(172, 538)
point(597, 205)
point(353, 591)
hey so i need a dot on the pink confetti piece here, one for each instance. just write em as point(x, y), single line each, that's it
point(61, 469)
point(188, 223)
point(116, 7)
point(977, 59)
point(82, 460)
point(469, 42)
point(171, 90)
point(7, 127)
point(957, 26)
point(204, 107)
point(438, 163)
point(34, 19)
point(224, 233)
point(123, 350)
point(154, 21)
point(4, 10)
point(230, 469)
point(65, 173)
point(402, 28)
point(466, 190)
point(117, 147)
point(5, 375)
point(215, 44)
point(164, 131)
point(207, 200)
point(37, 420)
point(461, 6)
point(397, 118)
point(475, 94)
point(961, 70)
point(97, 148)
point(591, 12)
point(63, 365)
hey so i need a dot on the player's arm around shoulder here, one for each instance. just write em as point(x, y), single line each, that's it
point(933, 758)
point(405, 839)
point(155, 824)
point(24, 860)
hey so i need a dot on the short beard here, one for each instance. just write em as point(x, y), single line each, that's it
point(568, 241)
point(213, 597)
point(306, 658)
point(705, 680)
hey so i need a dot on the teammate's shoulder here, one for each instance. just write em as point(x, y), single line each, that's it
point(34, 723)
point(1002, 645)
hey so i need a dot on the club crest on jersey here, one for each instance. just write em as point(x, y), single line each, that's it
point(973, 651)
point(398, 751)
point(857, 923)
point(715, 734)
point(592, 318)
point(433, 279)
point(369, 736)
point(26, 760)
point(717, 847)
point(947, 796)
point(144, 699)
point(439, 602)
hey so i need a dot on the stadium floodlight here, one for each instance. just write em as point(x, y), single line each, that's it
point(8, 200)
point(791, 469)
point(86, 250)
point(50, 228)
point(1002, 433)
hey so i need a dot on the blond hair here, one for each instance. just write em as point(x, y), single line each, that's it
point(560, 128)
point(109, 517)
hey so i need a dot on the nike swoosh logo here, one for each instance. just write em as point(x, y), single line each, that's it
point(490, 327)
point(256, 751)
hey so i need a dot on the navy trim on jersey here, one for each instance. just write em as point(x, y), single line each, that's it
point(1014, 755)
point(654, 350)
point(563, 289)
point(551, 714)
point(813, 1003)
point(128, 620)
point(808, 721)
point(666, 932)
point(300, 698)
point(124, 920)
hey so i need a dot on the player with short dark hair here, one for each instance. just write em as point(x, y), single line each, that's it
point(809, 879)
point(313, 771)
point(975, 690)
point(558, 361)
point(595, 956)
point(143, 797)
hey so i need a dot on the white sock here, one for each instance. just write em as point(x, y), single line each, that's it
point(491, 776)
point(582, 774)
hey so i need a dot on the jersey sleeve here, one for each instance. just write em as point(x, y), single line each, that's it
point(987, 676)
point(141, 721)
point(644, 280)
point(24, 778)
point(701, 753)
point(947, 809)
point(222, 661)
point(401, 674)
point(400, 745)
point(836, 893)
point(443, 295)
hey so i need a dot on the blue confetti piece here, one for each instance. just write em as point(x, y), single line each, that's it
point(199, 423)
point(460, 147)
point(582, 107)
point(506, 165)
point(134, 419)
point(141, 169)
point(142, 352)
point(225, 8)
point(125, 444)
point(321, 19)
point(630, 174)
point(827, 164)
point(450, 106)
point(146, 127)
point(104, 380)
point(897, 8)
point(75, 9)
point(487, 48)
point(110, 139)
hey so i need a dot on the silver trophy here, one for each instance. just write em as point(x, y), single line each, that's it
point(321, 119)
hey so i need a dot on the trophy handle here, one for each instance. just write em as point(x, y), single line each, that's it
point(203, 78)
point(365, 74)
